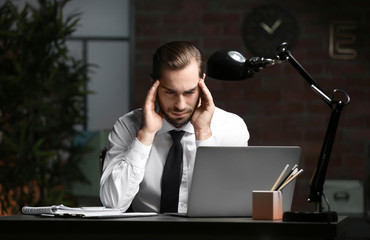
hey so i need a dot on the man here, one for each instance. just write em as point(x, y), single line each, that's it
point(140, 140)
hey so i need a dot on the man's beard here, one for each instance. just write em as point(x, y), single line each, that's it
point(174, 122)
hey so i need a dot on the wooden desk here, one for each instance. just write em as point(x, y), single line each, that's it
point(165, 227)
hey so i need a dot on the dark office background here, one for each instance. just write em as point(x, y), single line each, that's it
point(277, 104)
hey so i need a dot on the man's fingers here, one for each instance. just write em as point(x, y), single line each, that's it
point(151, 97)
point(206, 95)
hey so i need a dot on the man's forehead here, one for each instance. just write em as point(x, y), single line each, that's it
point(179, 87)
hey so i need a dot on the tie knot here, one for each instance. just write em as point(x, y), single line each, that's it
point(176, 135)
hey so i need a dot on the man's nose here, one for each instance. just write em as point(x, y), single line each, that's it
point(180, 102)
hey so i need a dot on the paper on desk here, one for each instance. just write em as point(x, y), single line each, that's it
point(97, 212)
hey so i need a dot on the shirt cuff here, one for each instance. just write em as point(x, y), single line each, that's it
point(138, 154)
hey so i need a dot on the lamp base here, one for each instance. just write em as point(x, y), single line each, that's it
point(310, 217)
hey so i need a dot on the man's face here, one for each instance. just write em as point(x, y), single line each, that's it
point(178, 93)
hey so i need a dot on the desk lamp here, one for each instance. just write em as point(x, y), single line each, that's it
point(230, 65)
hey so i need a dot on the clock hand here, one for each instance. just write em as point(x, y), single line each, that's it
point(266, 28)
point(276, 25)
point(273, 28)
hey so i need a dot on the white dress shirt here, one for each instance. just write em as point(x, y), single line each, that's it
point(132, 171)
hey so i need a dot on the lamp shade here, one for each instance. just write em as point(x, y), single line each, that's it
point(227, 65)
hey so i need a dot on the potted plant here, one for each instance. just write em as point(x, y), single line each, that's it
point(42, 100)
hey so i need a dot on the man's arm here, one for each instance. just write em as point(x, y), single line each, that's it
point(124, 164)
point(130, 146)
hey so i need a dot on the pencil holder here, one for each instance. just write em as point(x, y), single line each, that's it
point(267, 205)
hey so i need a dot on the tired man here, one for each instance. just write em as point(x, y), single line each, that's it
point(178, 116)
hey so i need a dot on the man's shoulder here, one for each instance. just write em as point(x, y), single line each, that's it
point(133, 116)
point(223, 117)
point(223, 114)
point(229, 129)
point(134, 113)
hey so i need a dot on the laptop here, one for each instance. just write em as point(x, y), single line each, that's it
point(225, 177)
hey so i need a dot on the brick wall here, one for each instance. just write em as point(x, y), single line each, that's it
point(277, 104)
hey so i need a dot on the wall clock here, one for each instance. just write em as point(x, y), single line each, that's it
point(266, 27)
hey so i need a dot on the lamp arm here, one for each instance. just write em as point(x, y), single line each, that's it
point(318, 177)
point(285, 54)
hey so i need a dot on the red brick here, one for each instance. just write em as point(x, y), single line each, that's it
point(208, 30)
point(232, 30)
point(347, 68)
point(161, 6)
point(146, 19)
point(181, 18)
point(350, 121)
point(223, 18)
point(147, 31)
point(218, 43)
point(285, 108)
point(263, 95)
point(147, 44)
point(194, 5)
point(357, 82)
point(361, 135)
point(354, 160)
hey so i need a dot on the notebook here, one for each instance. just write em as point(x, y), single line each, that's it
point(224, 178)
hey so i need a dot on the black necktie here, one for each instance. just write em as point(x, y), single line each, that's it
point(172, 174)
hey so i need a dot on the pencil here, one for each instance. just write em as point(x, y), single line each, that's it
point(287, 176)
point(292, 174)
point(279, 178)
point(290, 179)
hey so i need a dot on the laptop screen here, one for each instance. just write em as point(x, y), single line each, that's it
point(225, 177)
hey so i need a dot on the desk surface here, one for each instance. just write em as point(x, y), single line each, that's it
point(165, 227)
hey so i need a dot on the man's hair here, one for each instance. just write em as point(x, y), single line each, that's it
point(175, 56)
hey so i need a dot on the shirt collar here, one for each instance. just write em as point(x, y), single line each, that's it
point(166, 127)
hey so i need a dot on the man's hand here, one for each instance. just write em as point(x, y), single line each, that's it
point(202, 116)
point(152, 121)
